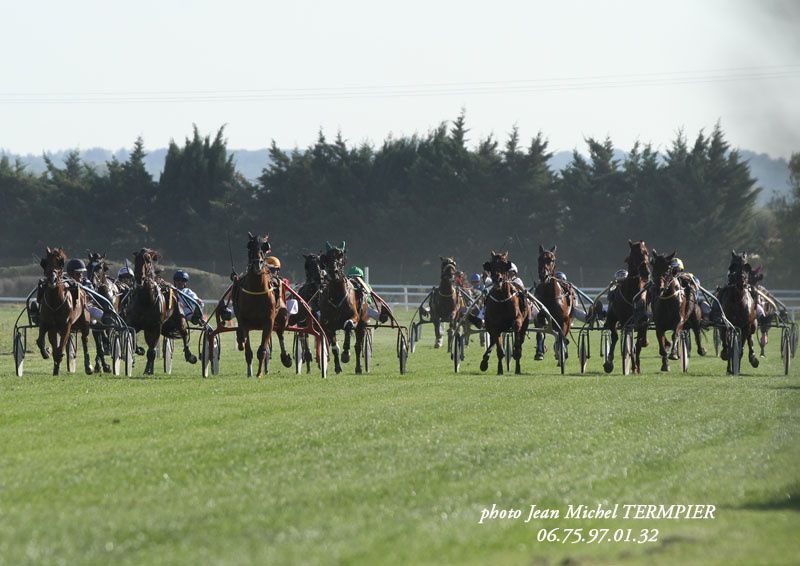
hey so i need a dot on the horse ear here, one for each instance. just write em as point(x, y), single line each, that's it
point(541, 249)
point(344, 244)
point(672, 255)
point(328, 246)
point(49, 251)
point(733, 253)
point(553, 249)
point(631, 244)
point(493, 253)
point(249, 234)
point(655, 253)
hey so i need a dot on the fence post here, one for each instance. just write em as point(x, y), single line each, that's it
point(405, 295)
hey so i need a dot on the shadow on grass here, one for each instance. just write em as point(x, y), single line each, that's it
point(789, 387)
point(787, 501)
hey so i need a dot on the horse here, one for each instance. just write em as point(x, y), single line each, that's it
point(674, 303)
point(311, 287)
point(770, 309)
point(557, 296)
point(623, 310)
point(150, 304)
point(62, 310)
point(506, 310)
point(256, 305)
point(341, 307)
point(96, 273)
point(738, 305)
point(446, 301)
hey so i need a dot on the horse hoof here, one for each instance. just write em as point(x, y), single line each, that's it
point(608, 367)
point(97, 367)
point(45, 354)
point(338, 370)
point(484, 364)
point(664, 367)
point(538, 357)
point(437, 345)
point(189, 357)
point(723, 356)
point(346, 356)
point(754, 361)
point(358, 371)
point(89, 370)
point(139, 351)
point(674, 356)
point(286, 360)
point(106, 368)
point(701, 351)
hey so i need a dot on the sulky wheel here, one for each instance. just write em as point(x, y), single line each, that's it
point(321, 346)
point(129, 352)
point(508, 343)
point(72, 353)
point(627, 350)
point(412, 337)
point(458, 351)
point(297, 352)
point(116, 352)
point(367, 350)
point(786, 349)
point(734, 351)
point(402, 354)
point(19, 352)
point(684, 346)
point(583, 351)
point(167, 347)
point(717, 341)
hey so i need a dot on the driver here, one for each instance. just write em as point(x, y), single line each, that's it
point(191, 307)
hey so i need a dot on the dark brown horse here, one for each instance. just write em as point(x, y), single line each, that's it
point(341, 307)
point(557, 296)
point(628, 304)
point(311, 287)
point(97, 274)
point(739, 306)
point(256, 306)
point(674, 302)
point(151, 303)
point(445, 301)
point(506, 310)
point(61, 311)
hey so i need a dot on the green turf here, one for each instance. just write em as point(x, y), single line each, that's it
point(393, 469)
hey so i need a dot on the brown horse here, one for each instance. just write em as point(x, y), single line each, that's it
point(256, 305)
point(739, 306)
point(61, 311)
point(628, 304)
point(506, 310)
point(557, 296)
point(445, 301)
point(151, 303)
point(341, 307)
point(674, 303)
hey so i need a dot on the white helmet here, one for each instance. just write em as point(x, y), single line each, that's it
point(124, 271)
point(621, 274)
point(513, 267)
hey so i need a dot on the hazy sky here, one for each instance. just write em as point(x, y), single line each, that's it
point(90, 73)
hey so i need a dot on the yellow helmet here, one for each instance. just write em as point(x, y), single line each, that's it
point(677, 263)
point(273, 261)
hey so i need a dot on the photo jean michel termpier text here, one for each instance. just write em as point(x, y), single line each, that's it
point(630, 511)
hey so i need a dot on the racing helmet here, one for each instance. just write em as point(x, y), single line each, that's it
point(355, 271)
point(180, 275)
point(676, 263)
point(274, 262)
point(621, 274)
point(124, 272)
point(513, 267)
point(75, 265)
point(561, 276)
point(475, 278)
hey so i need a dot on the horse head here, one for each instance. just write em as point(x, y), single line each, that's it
point(334, 260)
point(547, 262)
point(638, 260)
point(448, 269)
point(662, 268)
point(498, 266)
point(739, 270)
point(53, 264)
point(144, 265)
point(257, 249)
point(313, 267)
point(96, 268)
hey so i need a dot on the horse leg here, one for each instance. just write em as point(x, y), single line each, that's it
point(764, 339)
point(286, 359)
point(501, 353)
point(151, 337)
point(540, 348)
point(751, 354)
point(360, 332)
point(608, 366)
point(348, 328)
point(487, 353)
point(99, 358)
point(673, 351)
point(724, 352)
point(698, 335)
point(450, 334)
point(87, 360)
point(42, 346)
point(519, 338)
point(56, 342)
point(662, 349)
point(263, 349)
point(437, 328)
point(187, 350)
point(335, 351)
point(243, 336)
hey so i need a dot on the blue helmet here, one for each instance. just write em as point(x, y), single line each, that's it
point(561, 276)
point(180, 275)
point(475, 278)
point(75, 265)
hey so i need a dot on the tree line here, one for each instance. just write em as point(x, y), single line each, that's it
point(404, 203)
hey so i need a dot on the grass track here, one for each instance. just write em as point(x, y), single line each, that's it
point(393, 469)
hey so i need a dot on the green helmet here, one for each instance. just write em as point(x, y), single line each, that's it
point(355, 271)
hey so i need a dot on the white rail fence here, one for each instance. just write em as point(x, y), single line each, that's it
point(409, 296)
